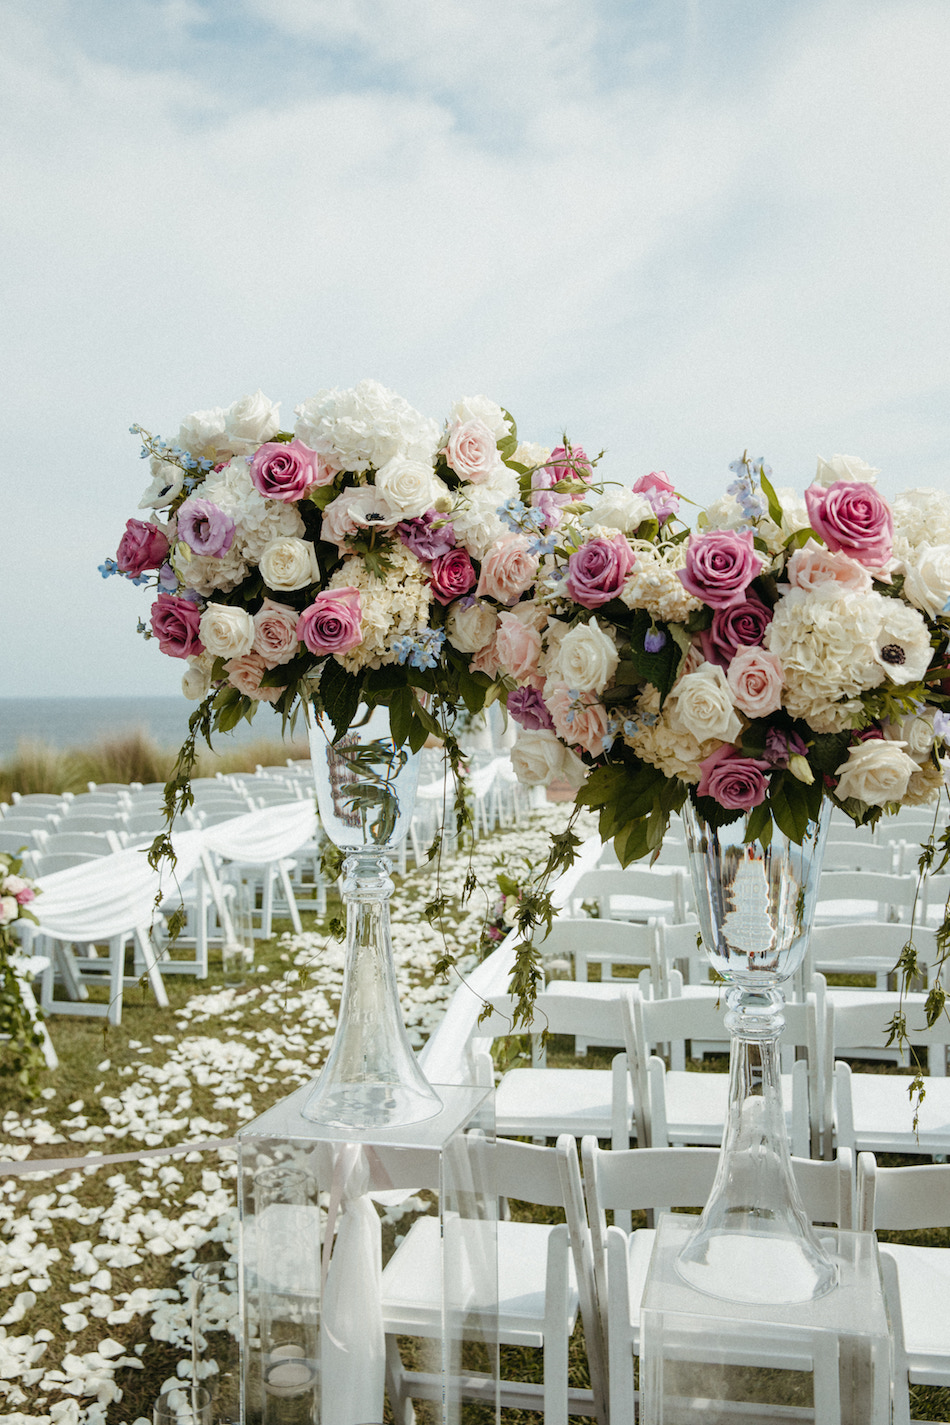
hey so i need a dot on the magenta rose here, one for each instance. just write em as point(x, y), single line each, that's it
point(597, 572)
point(742, 625)
point(568, 463)
point(427, 536)
point(143, 546)
point(852, 519)
point(528, 708)
point(332, 624)
point(175, 624)
point(658, 489)
point(205, 528)
point(736, 782)
point(453, 574)
point(720, 566)
point(287, 471)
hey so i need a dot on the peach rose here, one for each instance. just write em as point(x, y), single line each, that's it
point(755, 679)
point(275, 633)
point(813, 565)
point(507, 570)
point(582, 724)
point(518, 647)
point(246, 673)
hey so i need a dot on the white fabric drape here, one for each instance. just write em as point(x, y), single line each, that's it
point(261, 837)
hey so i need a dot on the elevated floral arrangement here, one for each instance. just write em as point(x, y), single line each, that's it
point(22, 1054)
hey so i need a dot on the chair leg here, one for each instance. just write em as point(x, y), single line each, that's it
point(400, 1403)
point(291, 901)
point(151, 967)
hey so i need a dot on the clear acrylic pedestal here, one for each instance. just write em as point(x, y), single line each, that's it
point(369, 1267)
point(706, 1361)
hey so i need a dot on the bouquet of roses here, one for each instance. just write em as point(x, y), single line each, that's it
point(784, 651)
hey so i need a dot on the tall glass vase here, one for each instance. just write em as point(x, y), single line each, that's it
point(754, 1241)
point(366, 790)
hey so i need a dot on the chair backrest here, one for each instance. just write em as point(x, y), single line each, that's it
point(841, 892)
point(636, 892)
point(101, 821)
point(14, 819)
point(900, 1199)
point(681, 945)
point(857, 1024)
point(14, 840)
point(40, 801)
point(864, 947)
point(601, 941)
point(94, 843)
point(855, 855)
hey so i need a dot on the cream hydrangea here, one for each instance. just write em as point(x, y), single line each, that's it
point(395, 605)
point(921, 517)
point(666, 743)
point(206, 574)
point(474, 516)
point(727, 513)
point(826, 640)
point(654, 585)
point(364, 428)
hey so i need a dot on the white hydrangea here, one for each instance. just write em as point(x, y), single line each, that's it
point(206, 574)
point(826, 641)
point(258, 520)
point(653, 583)
point(921, 518)
point(365, 427)
point(531, 454)
point(395, 605)
point(475, 514)
point(617, 508)
point(484, 409)
point(727, 513)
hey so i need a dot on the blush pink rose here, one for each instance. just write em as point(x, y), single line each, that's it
point(453, 574)
point(755, 678)
point(578, 723)
point(508, 570)
point(333, 622)
point(275, 633)
point(736, 782)
point(486, 659)
point(658, 489)
point(281, 471)
point(813, 565)
point(518, 647)
point(246, 673)
point(143, 546)
point(852, 519)
point(597, 572)
point(175, 624)
point(720, 566)
point(742, 625)
point(472, 451)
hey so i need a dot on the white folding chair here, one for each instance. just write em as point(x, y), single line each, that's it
point(845, 896)
point(609, 945)
point(636, 893)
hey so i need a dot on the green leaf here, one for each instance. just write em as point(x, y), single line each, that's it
point(401, 715)
point(790, 807)
point(775, 508)
point(340, 695)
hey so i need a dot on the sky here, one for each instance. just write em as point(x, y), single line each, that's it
point(674, 230)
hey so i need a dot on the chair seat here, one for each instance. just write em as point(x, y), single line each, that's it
point(410, 1282)
point(696, 1105)
point(924, 1277)
point(883, 1114)
point(544, 1102)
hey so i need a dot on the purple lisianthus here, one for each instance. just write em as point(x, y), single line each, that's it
point(742, 625)
point(205, 528)
point(736, 782)
point(720, 566)
point(781, 746)
point(528, 708)
point(426, 539)
point(597, 572)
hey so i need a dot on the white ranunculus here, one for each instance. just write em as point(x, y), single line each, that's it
point(288, 564)
point(876, 772)
point(250, 421)
point(927, 579)
point(618, 509)
point(481, 408)
point(226, 631)
point(703, 705)
point(845, 467)
point(587, 658)
point(470, 629)
point(921, 520)
point(903, 642)
point(540, 758)
point(167, 480)
point(409, 486)
point(202, 432)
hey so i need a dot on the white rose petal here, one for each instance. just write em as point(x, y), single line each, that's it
point(845, 467)
point(539, 758)
point(481, 408)
point(225, 631)
point(409, 486)
point(251, 421)
point(470, 629)
point(618, 509)
point(876, 772)
point(927, 579)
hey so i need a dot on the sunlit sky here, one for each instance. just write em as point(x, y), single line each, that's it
point(672, 229)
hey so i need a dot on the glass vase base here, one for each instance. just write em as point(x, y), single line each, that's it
point(751, 1267)
point(363, 1106)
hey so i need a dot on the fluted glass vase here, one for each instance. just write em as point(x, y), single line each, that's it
point(754, 1241)
point(366, 788)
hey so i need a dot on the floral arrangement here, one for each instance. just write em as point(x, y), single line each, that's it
point(23, 1053)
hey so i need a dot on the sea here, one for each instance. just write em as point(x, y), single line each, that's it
point(77, 722)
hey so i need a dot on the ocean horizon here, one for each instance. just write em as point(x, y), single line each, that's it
point(64, 723)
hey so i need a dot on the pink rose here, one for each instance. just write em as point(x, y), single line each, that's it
point(658, 489)
point(453, 574)
point(852, 519)
point(736, 782)
point(275, 633)
point(356, 508)
point(175, 624)
point(597, 572)
point(508, 570)
point(246, 673)
point(720, 566)
point(742, 625)
point(518, 647)
point(486, 659)
point(755, 678)
point(281, 471)
point(332, 624)
point(568, 462)
point(578, 723)
point(143, 546)
point(813, 565)
point(472, 451)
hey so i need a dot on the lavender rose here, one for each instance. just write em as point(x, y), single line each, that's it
point(205, 528)
point(720, 566)
point(175, 625)
point(528, 708)
point(852, 518)
point(286, 472)
point(425, 538)
point(742, 625)
point(143, 546)
point(737, 783)
point(453, 574)
point(597, 572)
point(332, 623)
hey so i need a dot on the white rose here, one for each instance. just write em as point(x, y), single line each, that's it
point(196, 680)
point(619, 508)
point(481, 408)
point(587, 658)
point(876, 772)
point(539, 758)
point(167, 480)
point(225, 631)
point(202, 432)
point(703, 705)
point(469, 630)
point(927, 579)
point(845, 467)
point(409, 486)
point(289, 563)
point(250, 421)
point(902, 645)
point(916, 733)
point(9, 909)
